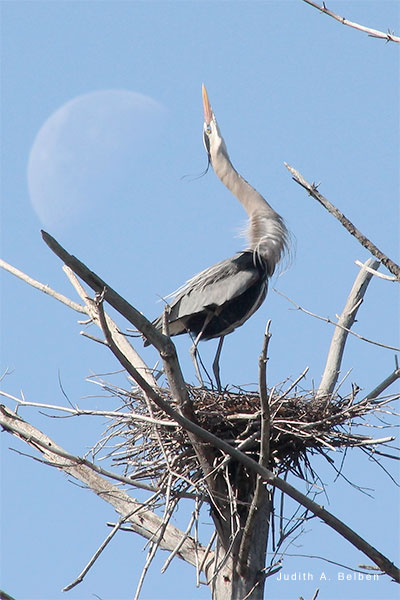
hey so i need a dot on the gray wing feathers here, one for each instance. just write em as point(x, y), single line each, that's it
point(212, 287)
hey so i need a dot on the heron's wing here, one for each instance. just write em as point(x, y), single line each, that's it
point(215, 286)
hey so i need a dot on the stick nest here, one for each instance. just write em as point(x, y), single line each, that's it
point(152, 448)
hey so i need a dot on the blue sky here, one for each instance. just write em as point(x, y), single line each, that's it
point(286, 84)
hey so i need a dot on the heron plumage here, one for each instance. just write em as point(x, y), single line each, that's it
point(230, 291)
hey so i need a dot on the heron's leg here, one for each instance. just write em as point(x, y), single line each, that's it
point(216, 363)
point(193, 349)
point(193, 355)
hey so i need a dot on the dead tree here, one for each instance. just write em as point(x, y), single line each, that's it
point(231, 450)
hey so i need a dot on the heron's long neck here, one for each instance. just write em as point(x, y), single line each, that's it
point(267, 233)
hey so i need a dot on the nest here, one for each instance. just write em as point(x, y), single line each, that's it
point(152, 448)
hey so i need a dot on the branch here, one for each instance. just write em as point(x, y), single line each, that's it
point(264, 401)
point(42, 287)
point(260, 489)
point(376, 392)
point(121, 341)
point(113, 298)
point(85, 309)
point(364, 241)
point(389, 36)
point(344, 324)
point(143, 521)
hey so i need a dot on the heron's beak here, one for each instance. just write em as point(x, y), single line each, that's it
point(206, 106)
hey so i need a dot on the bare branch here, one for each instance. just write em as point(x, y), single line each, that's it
point(113, 298)
point(389, 36)
point(364, 241)
point(143, 521)
point(87, 309)
point(42, 287)
point(376, 273)
point(260, 491)
point(344, 324)
point(119, 339)
point(376, 392)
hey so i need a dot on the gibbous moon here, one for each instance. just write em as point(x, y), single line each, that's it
point(88, 153)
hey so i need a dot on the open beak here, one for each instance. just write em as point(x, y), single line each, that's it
point(206, 106)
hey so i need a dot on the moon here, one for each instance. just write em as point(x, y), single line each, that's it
point(88, 152)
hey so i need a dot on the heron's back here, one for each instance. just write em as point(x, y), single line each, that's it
point(227, 294)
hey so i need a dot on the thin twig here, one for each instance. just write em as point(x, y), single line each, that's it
point(78, 412)
point(102, 546)
point(364, 241)
point(264, 401)
point(389, 36)
point(336, 324)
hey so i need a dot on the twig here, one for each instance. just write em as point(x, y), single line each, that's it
point(42, 287)
point(389, 36)
point(102, 546)
point(113, 298)
point(205, 555)
point(174, 552)
point(328, 320)
point(364, 241)
point(78, 412)
point(376, 273)
point(333, 562)
point(344, 324)
point(264, 401)
point(40, 443)
point(294, 383)
point(315, 594)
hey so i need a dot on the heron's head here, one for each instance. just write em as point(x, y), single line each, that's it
point(212, 138)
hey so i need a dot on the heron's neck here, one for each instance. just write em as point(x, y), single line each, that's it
point(267, 233)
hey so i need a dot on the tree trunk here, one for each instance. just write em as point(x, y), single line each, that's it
point(242, 577)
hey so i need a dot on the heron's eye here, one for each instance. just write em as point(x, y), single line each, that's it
point(208, 130)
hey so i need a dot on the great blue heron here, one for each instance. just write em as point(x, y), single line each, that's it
point(221, 298)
